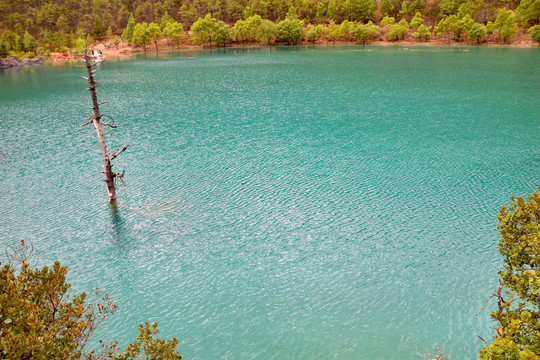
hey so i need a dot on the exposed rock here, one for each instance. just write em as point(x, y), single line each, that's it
point(15, 61)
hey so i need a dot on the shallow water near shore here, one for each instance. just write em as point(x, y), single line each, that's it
point(292, 203)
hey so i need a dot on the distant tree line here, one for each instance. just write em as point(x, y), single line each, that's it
point(37, 25)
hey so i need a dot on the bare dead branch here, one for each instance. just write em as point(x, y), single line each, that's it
point(429, 356)
point(500, 299)
point(121, 178)
point(22, 252)
point(96, 116)
point(88, 121)
point(118, 151)
point(109, 125)
point(97, 311)
point(109, 116)
point(109, 130)
point(485, 342)
point(487, 301)
point(440, 353)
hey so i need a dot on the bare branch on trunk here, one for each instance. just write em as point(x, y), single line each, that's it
point(118, 152)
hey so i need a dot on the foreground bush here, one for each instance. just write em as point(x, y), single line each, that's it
point(518, 315)
point(39, 320)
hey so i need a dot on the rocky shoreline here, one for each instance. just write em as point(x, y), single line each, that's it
point(15, 61)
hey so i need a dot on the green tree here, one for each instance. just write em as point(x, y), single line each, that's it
point(251, 25)
point(490, 28)
point(535, 33)
point(62, 22)
point(332, 10)
point(359, 10)
point(116, 40)
point(130, 29)
point(292, 14)
point(463, 25)
point(202, 30)
point(446, 25)
point(509, 30)
point(388, 8)
point(98, 30)
point(290, 31)
point(29, 42)
point(267, 32)
point(477, 32)
point(239, 30)
point(347, 30)
point(423, 31)
point(155, 33)
point(387, 20)
point(222, 33)
point(320, 12)
point(174, 31)
point(260, 7)
point(165, 19)
point(141, 35)
point(448, 7)
point(80, 33)
point(79, 46)
point(506, 24)
point(333, 31)
point(403, 10)
point(417, 20)
point(314, 33)
point(4, 49)
point(518, 316)
point(364, 33)
point(399, 30)
point(415, 6)
point(9, 38)
point(246, 29)
point(248, 11)
point(529, 12)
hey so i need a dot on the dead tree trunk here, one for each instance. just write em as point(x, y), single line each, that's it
point(98, 125)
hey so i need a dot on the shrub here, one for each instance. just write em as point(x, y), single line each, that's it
point(40, 320)
point(518, 316)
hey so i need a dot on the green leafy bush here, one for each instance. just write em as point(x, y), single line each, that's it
point(40, 320)
point(518, 316)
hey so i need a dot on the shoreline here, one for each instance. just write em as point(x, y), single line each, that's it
point(126, 51)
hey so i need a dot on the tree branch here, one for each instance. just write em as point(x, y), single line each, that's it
point(485, 342)
point(109, 116)
point(107, 124)
point(88, 122)
point(117, 152)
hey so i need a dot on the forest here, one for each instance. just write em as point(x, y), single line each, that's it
point(60, 25)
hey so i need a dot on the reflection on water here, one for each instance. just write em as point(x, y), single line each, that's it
point(117, 224)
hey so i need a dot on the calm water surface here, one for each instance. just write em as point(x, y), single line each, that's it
point(298, 203)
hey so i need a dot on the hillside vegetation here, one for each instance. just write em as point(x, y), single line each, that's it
point(61, 25)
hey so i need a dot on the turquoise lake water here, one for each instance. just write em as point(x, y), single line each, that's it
point(283, 203)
